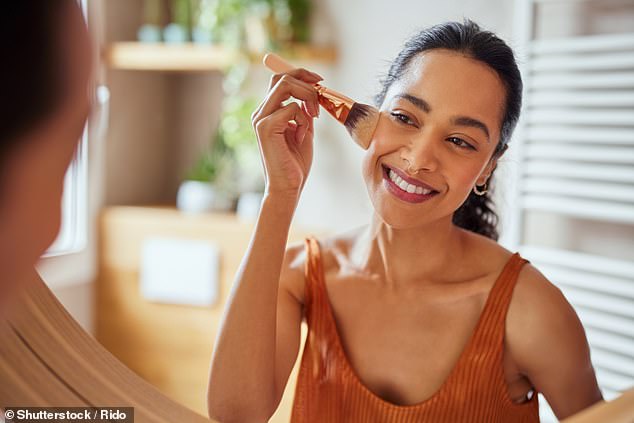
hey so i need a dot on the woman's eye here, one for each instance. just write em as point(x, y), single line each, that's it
point(459, 142)
point(402, 118)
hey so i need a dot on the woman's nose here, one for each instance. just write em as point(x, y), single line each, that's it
point(420, 154)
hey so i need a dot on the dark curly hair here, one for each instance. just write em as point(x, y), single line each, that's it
point(477, 212)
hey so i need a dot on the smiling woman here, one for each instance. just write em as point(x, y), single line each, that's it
point(444, 111)
point(495, 60)
point(420, 315)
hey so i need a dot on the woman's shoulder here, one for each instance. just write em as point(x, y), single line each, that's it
point(292, 272)
point(543, 333)
point(534, 293)
point(538, 303)
point(484, 255)
point(333, 248)
point(543, 329)
point(547, 340)
point(531, 283)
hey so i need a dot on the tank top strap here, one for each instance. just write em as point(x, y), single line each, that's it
point(322, 333)
point(491, 327)
point(313, 272)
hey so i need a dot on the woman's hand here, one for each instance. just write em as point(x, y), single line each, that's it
point(285, 133)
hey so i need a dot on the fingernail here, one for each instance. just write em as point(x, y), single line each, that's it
point(312, 109)
point(299, 136)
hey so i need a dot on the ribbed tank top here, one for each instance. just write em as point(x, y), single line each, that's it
point(329, 391)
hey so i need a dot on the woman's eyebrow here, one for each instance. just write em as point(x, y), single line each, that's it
point(456, 120)
point(474, 123)
point(416, 101)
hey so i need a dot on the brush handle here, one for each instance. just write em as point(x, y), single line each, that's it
point(279, 65)
point(276, 63)
point(335, 103)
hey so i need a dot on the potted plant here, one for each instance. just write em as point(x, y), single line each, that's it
point(178, 29)
point(204, 21)
point(209, 185)
point(230, 170)
point(150, 31)
point(238, 135)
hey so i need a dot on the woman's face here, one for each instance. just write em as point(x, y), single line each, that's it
point(442, 117)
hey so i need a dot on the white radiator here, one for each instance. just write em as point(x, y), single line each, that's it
point(573, 153)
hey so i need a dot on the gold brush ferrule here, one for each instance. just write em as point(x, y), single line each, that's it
point(335, 103)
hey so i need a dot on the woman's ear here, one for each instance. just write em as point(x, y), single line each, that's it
point(493, 162)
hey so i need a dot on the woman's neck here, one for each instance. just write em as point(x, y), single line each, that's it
point(413, 256)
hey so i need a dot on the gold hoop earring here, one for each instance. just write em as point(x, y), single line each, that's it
point(479, 192)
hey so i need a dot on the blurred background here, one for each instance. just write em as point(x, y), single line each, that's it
point(160, 200)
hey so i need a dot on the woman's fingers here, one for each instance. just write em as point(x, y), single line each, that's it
point(277, 122)
point(299, 73)
point(296, 83)
point(287, 87)
point(281, 129)
point(309, 125)
point(290, 131)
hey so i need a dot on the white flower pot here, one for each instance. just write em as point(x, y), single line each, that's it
point(149, 34)
point(175, 33)
point(201, 197)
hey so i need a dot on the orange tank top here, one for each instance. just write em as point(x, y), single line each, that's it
point(329, 391)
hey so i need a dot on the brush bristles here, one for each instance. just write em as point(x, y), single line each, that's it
point(361, 123)
point(357, 112)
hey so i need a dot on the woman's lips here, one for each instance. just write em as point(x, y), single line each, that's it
point(410, 197)
point(408, 179)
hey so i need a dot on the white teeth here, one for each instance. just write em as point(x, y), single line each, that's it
point(406, 186)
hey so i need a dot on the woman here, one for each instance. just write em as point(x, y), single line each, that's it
point(420, 315)
point(43, 108)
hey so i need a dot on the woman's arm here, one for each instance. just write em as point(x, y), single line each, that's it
point(247, 367)
point(548, 343)
point(618, 410)
point(245, 374)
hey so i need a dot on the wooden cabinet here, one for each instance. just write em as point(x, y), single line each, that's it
point(168, 345)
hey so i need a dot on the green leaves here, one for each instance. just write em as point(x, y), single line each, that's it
point(233, 161)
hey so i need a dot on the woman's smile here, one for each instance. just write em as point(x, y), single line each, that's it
point(404, 188)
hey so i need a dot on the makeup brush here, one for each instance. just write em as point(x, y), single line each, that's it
point(359, 119)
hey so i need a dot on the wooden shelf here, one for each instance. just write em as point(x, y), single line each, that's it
point(305, 52)
point(190, 57)
point(168, 57)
